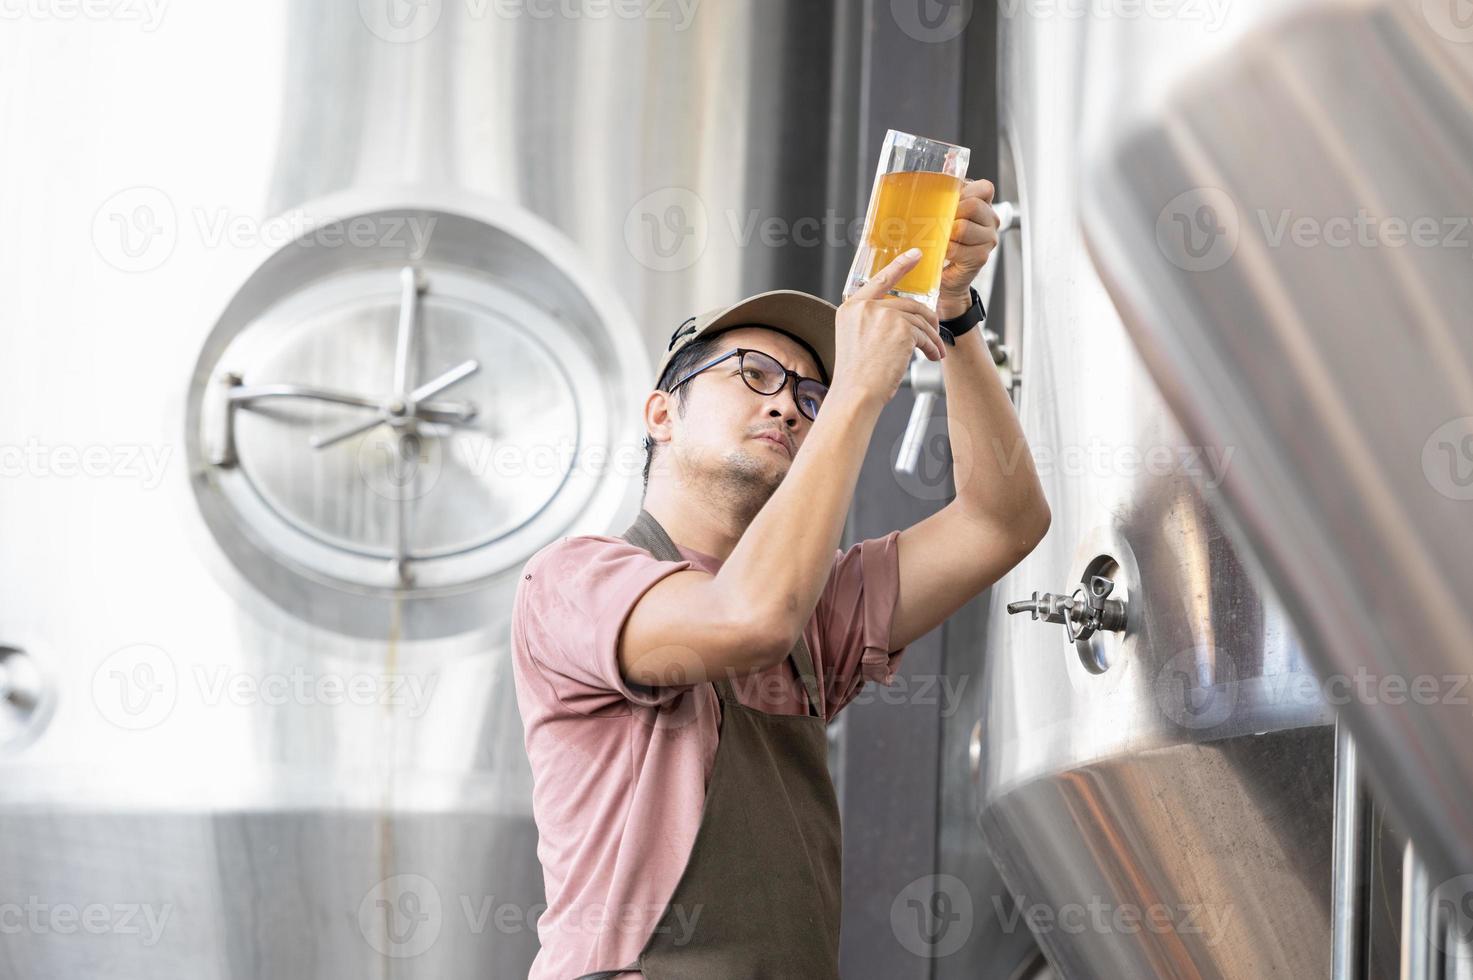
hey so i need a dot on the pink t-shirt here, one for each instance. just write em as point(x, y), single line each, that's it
point(620, 770)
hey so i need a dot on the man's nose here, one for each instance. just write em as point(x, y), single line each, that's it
point(785, 405)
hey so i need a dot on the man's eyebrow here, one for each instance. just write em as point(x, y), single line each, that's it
point(790, 367)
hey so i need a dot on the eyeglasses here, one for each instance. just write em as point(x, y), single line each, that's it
point(764, 375)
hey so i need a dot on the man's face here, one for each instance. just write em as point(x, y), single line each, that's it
point(718, 439)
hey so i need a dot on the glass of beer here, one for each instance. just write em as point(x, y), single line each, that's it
point(912, 205)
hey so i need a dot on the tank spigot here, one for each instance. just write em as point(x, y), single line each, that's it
point(1082, 615)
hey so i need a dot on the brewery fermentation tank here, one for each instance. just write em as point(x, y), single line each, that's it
point(347, 308)
point(322, 317)
point(1239, 439)
point(1115, 776)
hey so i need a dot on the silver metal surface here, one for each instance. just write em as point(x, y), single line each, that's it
point(416, 512)
point(1416, 917)
point(1285, 226)
point(257, 700)
point(1348, 912)
point(296, 765)
point(1161, 796)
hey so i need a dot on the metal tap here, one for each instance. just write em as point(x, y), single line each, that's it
point(1083, 615)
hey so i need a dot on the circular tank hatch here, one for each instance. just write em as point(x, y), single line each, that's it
point(378, 425)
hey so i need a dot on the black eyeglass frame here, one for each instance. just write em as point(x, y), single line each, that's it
point(742, 352)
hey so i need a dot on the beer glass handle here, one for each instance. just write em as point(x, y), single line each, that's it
point(924, 377)
point(1007, 218)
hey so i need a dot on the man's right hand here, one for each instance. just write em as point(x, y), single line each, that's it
point(875, 334)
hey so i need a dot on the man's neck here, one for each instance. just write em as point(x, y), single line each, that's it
point(701, 521)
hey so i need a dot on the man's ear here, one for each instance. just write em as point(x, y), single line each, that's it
point(658, 412)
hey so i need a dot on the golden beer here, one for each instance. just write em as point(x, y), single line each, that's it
point(914, 210)
point(912, 204)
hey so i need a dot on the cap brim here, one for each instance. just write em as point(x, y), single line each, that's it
point(809, 318)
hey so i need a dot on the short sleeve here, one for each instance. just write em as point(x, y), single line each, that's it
point(572, 600)
point(853, 619)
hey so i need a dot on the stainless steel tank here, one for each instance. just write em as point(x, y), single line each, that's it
point(1156, 761)
point(320, 319)
point(1162, 785)
point(1304, 297)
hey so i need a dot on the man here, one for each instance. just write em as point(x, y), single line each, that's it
point(675, 682)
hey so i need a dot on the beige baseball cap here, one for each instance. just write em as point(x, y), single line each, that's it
point(806, 317)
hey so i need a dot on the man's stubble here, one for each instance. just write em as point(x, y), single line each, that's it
point(738, 483)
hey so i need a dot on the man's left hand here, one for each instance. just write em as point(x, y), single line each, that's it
point(973, 237)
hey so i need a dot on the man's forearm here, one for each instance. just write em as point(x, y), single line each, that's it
point(992, 465)
point(784, 558)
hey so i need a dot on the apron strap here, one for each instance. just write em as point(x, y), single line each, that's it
point(611, 974)
point(803, 660)
point(647, 533)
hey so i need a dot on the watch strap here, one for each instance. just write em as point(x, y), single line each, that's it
point(954, 327)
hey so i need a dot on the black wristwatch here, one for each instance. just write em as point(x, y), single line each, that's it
point(958, 325)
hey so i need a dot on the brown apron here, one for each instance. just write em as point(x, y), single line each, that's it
point(762, 881)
